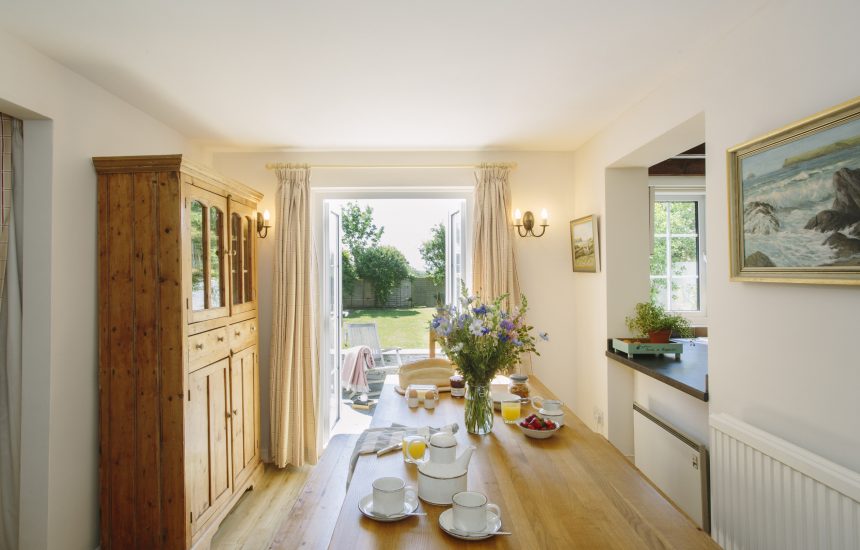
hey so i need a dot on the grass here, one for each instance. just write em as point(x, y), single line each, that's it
point(405, 328)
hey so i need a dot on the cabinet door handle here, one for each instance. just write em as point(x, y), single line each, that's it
point(229, 415)
point(237, 333)
point(235, 411)
point(220, 338)
point(198, 346)
point(253, 328)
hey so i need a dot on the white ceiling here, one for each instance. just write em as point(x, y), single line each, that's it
point(376, 74)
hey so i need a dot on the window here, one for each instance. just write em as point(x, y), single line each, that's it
point(678, 256)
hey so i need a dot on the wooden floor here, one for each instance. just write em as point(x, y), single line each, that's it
point(253, 522)
point(293, 507)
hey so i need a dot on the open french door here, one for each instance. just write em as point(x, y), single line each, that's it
point(455, 253)
point(332, 308)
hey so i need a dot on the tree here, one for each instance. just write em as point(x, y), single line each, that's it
point(384, 267)
point(359, 234)
point(359, 231)
point(433, 253)
point(347, 271)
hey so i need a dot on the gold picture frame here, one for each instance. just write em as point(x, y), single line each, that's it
point(585, 244)
point(789, 218)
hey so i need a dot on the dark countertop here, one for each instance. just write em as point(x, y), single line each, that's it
point(689, 374)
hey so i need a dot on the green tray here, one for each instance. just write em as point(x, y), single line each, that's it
point(634, 346)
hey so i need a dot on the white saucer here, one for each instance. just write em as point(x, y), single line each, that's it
point(365, 505)
point(446, 522)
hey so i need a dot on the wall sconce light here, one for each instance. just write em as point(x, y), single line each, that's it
point(263, 224)
point(525, 223)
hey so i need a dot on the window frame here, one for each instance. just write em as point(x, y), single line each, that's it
point(697, 195)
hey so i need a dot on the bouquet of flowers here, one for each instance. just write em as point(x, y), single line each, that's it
point(482, 340)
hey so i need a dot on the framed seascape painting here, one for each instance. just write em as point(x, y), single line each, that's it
point(794, 202)
point(584, 244)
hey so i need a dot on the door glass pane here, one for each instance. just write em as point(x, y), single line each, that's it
point(247, 263)
point(685, 256)
point(333, 299)
point(454, 272)
point(216, 275)
point(660, 218)
point(658, 257)
point(235, 267)
point(682, 217)
point(198, 292)
point(658, 292)
point(685, 294)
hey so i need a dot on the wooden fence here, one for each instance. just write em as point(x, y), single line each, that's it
point(417, 292)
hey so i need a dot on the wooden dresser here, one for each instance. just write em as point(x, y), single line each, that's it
point(179, 397)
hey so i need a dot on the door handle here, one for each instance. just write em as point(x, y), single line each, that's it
point(198, 346)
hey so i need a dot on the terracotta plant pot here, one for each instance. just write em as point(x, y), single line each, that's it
point(660, 336)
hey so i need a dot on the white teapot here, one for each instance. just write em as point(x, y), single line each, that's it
point(443, 474)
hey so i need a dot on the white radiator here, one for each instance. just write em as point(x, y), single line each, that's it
point(674, 462)
point(768, 493)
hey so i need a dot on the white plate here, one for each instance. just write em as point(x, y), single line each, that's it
point(446, 522)
point(365, 505)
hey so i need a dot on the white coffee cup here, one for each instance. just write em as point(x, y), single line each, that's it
point(389, 495)
point(470, 511)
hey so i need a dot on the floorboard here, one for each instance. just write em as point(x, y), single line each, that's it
point(290, 507)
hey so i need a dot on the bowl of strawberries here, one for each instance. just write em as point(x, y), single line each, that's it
point(537, 428)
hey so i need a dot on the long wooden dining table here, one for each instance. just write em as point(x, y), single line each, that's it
point(573, 490)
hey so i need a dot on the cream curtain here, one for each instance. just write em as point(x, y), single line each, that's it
point(295, 344)
point(494, 261)
point(11, 235)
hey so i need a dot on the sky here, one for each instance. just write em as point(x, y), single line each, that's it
point(407, 222)
point(772, 159)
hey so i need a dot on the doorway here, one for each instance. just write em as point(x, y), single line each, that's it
point(366, 234)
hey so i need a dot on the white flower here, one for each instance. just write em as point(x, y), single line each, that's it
point(477, 327)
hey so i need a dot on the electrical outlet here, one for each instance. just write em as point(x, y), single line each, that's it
point(598, 417)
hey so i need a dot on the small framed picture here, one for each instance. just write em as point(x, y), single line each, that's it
point(585, 244)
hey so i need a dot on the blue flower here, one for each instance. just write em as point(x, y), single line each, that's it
point(544, 336)
point(436, 321)
point(506, 324)
point(485, 330)
point(518, 343)
point(503, 337)
point(480, 310)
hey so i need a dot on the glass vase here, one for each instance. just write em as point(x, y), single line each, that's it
point(478, 413)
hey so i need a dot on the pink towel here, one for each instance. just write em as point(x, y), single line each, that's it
point(353, 375)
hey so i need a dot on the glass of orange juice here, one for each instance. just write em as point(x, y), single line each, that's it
point(414, 447)
point(511, 410)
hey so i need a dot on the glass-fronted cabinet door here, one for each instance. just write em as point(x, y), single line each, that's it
point(205, 254)
point(243, 257)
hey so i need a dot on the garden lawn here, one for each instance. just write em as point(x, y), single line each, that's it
point(405, 328)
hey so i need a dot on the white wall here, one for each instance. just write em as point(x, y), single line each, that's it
point(540, 180)
point(777, 352)
point(60, 430)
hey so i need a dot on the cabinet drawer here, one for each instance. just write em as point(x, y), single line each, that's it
point(207, 347)
point(242, 334)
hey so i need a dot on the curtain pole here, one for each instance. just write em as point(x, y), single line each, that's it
point(292, 166)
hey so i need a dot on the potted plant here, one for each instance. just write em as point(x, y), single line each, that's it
point(482, 339)
point(653, 322)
